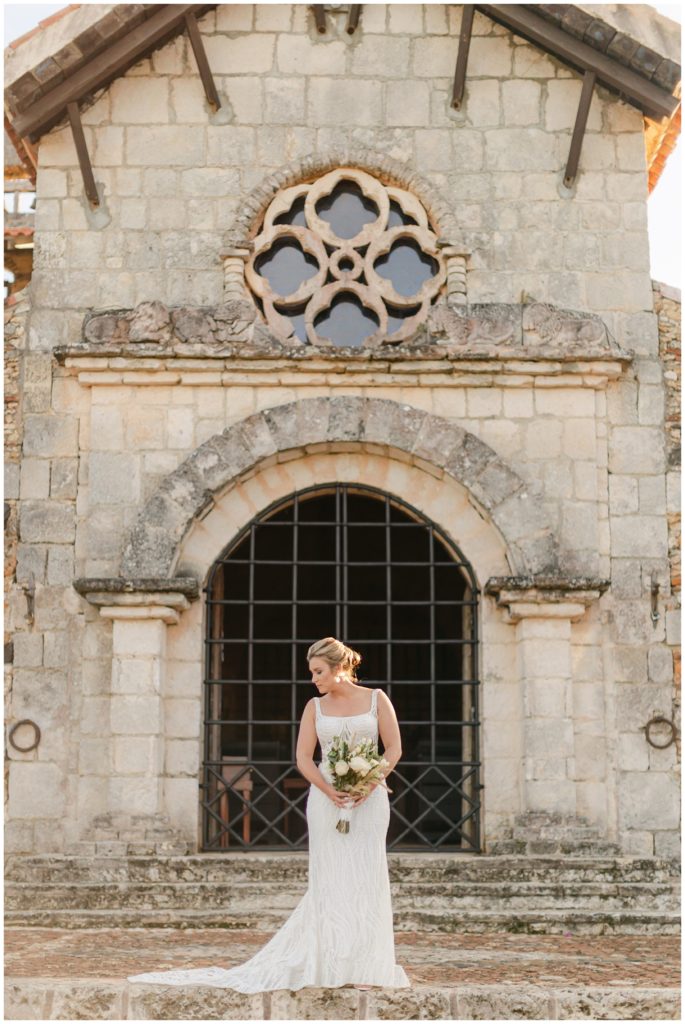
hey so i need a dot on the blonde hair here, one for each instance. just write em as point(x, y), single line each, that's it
point(337, 654)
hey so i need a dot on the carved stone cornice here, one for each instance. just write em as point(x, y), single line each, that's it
point(138, 599)
point(548, 597)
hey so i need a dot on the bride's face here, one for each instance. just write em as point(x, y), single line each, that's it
point(323, 675)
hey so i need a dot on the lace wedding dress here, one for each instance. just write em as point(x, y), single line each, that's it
point(341, 931)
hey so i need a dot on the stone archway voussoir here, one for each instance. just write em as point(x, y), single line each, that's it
point(224, 458)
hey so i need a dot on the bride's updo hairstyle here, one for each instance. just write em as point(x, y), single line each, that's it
point(337, 654)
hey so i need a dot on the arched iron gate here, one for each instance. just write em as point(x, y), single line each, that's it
point(350, 561)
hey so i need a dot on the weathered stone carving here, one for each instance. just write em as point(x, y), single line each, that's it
point(150, 321)
point(462, 325)
point(544, 324)
point(346, 264)
point(232, 321)
point(536, 330)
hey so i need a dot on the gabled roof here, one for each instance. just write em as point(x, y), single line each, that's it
point(82, 49)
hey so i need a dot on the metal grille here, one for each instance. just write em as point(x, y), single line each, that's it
point(348, 561)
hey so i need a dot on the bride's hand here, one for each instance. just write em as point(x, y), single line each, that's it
point(360, 799)
point(339, 799)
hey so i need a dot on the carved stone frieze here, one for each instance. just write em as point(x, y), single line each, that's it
point(531, 330)
point(234, 321)
point(475, 325)
point(546, 324)
point(234, 328)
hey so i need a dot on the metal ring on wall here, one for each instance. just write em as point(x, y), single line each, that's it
point(660, 720)
point(36, 741)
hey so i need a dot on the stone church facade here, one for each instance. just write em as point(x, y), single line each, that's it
point(527, 417)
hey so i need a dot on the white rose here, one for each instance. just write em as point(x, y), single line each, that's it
point(360, 764)
point(341, 767)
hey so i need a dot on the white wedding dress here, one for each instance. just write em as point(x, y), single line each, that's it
point(341, 931)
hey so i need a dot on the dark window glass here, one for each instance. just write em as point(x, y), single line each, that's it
point(317, 510)
point(315, 582)
point(347, 210)
point(366, 582)
point(295, 215)
point(406, 266)
point(346, 322)
point(296, 317)
point(397, 218)
point(273, 542)
point(286, 266)
point(397, 316)
point(273, 581)
point(368, 622)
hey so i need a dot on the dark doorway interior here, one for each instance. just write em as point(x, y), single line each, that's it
point(352, 562)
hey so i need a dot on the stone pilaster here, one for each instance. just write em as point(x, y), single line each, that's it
point(542, 610)
point(136, 707)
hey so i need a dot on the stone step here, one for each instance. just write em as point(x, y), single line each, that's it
point(263, 868)
point(556, 921)
point(407, 895)
point(48, 999)
point(550, 847)
point(430, 892)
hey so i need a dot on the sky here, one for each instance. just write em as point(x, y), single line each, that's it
point(665, 203)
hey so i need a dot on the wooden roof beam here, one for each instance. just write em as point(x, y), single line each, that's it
point(353, 18)
point(104, 67)
point(202, 62)
point(82, 153)
point(589, 79)
point(319, 17)
point(462, 55)
point(652, 100)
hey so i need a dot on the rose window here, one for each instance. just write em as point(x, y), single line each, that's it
point(345, 261)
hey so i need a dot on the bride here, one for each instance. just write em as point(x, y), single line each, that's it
point(341, 931)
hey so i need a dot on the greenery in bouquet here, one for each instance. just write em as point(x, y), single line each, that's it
point(355, 768)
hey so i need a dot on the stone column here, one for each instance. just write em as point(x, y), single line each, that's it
point(136, 707)
point(543, 611)
point(455, 260)
point(235, 259)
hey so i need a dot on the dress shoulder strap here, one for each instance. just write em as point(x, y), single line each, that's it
point(317, 707)
point(374, 702)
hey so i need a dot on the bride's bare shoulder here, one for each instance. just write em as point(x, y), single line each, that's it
point(383, 699)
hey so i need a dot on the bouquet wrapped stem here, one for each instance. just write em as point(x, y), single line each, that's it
point(355, 769)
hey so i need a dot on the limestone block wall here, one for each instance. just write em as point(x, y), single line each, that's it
point(173, 178)
point(173, 175)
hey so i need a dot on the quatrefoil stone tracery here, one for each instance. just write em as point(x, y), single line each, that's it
point(346, 269)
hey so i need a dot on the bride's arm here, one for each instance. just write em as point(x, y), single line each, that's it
point(306, 745)
point(389, 731)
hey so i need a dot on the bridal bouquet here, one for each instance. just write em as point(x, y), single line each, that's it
point(354, 768)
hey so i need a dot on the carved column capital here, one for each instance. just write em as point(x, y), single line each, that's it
point(139, 600)
point(545, 597)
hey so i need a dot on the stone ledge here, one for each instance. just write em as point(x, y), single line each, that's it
point(544, 589)
point(157, 590)
point(30, 998)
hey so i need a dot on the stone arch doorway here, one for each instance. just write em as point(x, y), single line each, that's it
point(357, 562)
